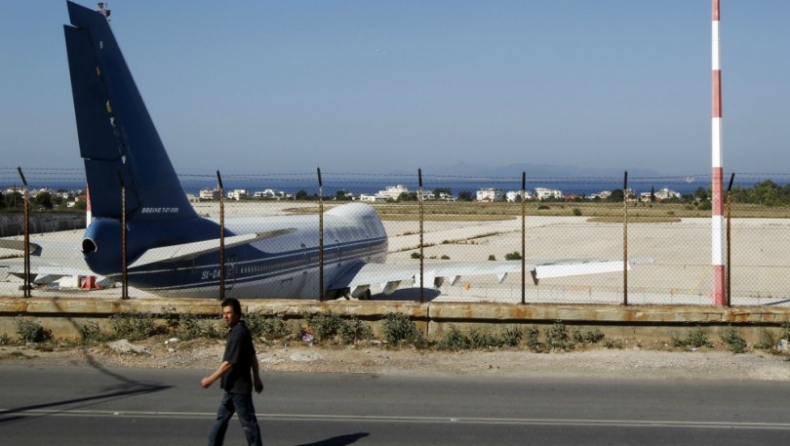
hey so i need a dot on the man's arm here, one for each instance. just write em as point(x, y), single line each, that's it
point(256, 376)
point(221, 370)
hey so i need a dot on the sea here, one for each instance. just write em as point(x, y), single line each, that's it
point(356, 184)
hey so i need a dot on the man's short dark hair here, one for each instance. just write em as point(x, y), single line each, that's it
point(232, 302)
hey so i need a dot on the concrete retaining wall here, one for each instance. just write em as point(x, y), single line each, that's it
point(61, 314)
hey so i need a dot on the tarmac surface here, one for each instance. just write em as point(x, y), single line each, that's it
point(675, 258)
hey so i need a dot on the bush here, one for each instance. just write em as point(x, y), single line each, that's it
point(398, 328)
point(133, 326)
point(734, 341)
point(767, 340)
point(577, 212)
point(515, 255)
point(193, 327)
point(31, 331)
point(324, 326)
point(557, 337)
point(533, 339)
point(511, 336)
point(696, 338)
point(453, 340)
point(89, 332)
point(491, 257)
point(354, 330)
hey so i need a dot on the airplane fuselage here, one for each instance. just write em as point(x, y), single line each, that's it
point(285, 266)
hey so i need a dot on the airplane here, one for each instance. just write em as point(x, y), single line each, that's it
point(172, 251)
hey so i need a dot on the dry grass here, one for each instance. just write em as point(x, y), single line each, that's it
point(597, 212)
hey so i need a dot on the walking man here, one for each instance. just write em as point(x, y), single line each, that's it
point(239, 373)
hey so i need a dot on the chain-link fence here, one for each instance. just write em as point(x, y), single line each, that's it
point(458, 220)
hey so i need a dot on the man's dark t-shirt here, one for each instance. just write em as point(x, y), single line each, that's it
point(238, 351)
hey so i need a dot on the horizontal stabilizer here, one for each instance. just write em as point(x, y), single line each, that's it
point(19, 245)
point(578, 269)
point(188, 251)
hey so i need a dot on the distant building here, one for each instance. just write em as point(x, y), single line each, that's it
point(270, 193)
point(237, 194)
point(393, 192)
point(372, 198)
point(545, 194)
point(209, 194)
point(490, 194)
point(515, 195)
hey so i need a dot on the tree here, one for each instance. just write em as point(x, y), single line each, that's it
point(301, 195)
point(407, 196)
point(465, 195)
point(442, 190)
point(701, 194)
point(617, 196)
point(44, 200)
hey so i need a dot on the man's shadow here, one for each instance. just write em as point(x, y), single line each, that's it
point(341, 440)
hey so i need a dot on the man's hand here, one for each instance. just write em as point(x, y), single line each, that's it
point(206, 382)
point(258, 385)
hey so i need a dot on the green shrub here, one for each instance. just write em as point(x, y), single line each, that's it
point(133, 325)
point(324, 326)
point(696, 338)
point(515, 255)
point(354, 330)
point(557, 337)
point(399, 328)
point(491, 257)
point(479, 338)
point(734, 341)
point(415, 255)
point(89, 332)
point(511, 336)
point(577, 212)
point(593, 336)
point(31, 331)
point(533, 339)
point(767, 340)
point(453, 340)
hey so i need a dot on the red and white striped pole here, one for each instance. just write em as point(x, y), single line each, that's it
point(717, 220)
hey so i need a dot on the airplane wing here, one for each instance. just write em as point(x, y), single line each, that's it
point(390, 276)
point(188, 251)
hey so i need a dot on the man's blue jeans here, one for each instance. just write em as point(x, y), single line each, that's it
point(231, 403)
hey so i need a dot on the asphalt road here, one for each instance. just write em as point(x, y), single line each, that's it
point(79, 406)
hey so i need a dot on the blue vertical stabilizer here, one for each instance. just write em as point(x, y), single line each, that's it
point(118, 140)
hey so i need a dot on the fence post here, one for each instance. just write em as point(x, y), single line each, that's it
point(729, 216)
point(422, 257)
point(625, 238)
point(523, 238)
point(124, 277)
point(320, 237)
point(221, 237)
point(26, 225)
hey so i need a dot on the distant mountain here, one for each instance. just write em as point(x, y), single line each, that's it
point(536, 171)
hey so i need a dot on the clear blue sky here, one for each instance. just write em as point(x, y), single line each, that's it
point(360, 85)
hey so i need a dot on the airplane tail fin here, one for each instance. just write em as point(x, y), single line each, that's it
point(117, 137)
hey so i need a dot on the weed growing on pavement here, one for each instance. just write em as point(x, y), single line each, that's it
point(399, 328)
point(532, 339)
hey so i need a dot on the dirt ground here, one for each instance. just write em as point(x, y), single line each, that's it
point(631, 361)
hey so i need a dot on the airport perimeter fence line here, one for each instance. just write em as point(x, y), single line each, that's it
point(478, 219)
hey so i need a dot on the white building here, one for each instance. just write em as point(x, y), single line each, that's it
point(515, 195)
point(237, 194)
point(393, 192)
point(490, 194)
point(209, 194)
point(543, 193)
